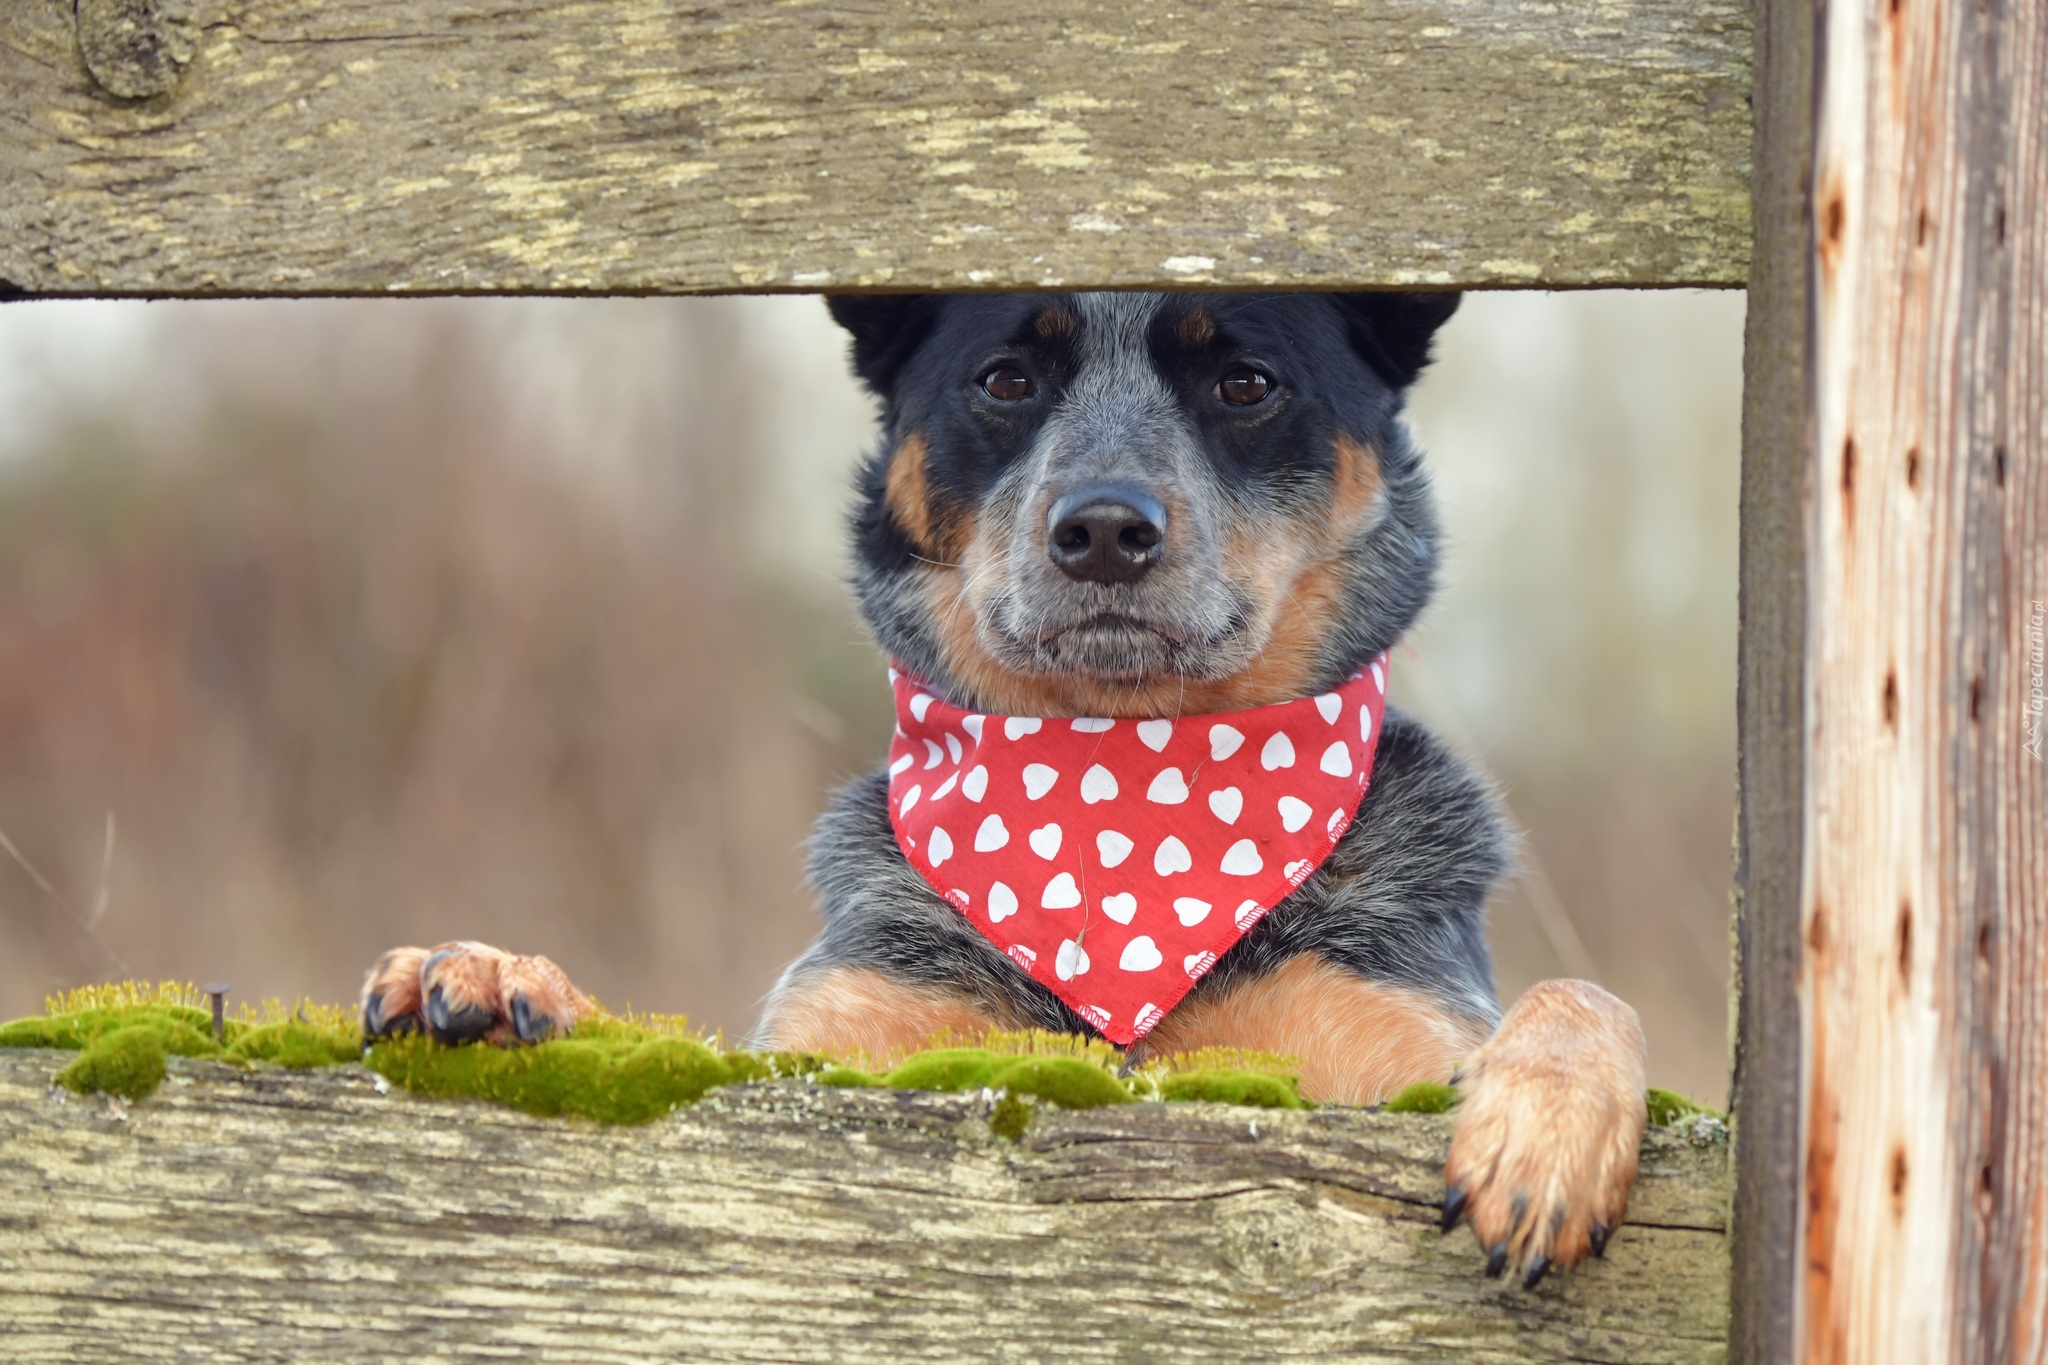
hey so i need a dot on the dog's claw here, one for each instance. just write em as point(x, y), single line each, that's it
point(1454, 1206)
point(376, 1025)
point(1497, 1261)
point(1538, 1268)
point(531, 1025)
point(455, 1025)
point(1599, 1238)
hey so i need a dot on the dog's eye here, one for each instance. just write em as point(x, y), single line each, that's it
point(1243, 386)
point(1006, 384)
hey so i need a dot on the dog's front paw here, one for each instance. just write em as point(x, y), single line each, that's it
point(460, 992)
point(1549, 1123)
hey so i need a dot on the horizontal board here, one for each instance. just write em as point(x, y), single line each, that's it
point(315, 146)
point(275, 1215)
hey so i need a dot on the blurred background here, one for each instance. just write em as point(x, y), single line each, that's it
point(327, 626)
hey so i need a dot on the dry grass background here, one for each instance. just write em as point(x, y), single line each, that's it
point(378, 622)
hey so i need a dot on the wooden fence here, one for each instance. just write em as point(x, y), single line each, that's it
point(1891, 1073)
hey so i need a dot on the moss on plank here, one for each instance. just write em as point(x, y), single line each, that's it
point(631, 1068)
point(1424, 1097)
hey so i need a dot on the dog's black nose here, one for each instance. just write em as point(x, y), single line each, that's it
point(1106, 533)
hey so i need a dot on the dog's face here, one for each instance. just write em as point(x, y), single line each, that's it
point(1141, 504)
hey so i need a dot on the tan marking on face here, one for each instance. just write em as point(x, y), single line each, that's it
point(1055, 324)
point(860, 1016)
point(1552, 1115)
point(937, 525)
point(905, 492)
point(1197, 329)
point(1358, 1042)
point(1357, 488)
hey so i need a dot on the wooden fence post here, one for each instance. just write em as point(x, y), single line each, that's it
point(1898, 395)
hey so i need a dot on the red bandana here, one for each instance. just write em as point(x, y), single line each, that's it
point(1116, 860)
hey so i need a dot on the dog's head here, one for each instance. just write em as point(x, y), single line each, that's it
point(1141, 504)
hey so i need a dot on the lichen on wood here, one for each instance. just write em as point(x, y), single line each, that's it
point(325, 1215)
point(316, 146)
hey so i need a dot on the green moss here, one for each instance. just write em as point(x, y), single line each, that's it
point(1424, 1097)
point(1234, 1087)
point(298, 1045)
point(1010, 1117)
point(1068, 1082)
point(612, 1069)
point(848, 1078)
point(946, 1068)
point(1668, 1107)
point(608, 1079)
point(128, 1062)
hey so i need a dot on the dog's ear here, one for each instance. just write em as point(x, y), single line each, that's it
point(1392, 331)
point(887, 329)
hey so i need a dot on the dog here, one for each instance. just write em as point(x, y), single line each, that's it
point(1157, 509)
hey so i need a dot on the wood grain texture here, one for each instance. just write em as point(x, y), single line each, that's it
point(1770, 695)
point(316, 146)
point(307, 1216)
point(1925, 902)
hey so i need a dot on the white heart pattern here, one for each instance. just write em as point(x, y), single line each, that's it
point(1112, 847)
point(1002, 903)
point(1045, 848)
point(1141, 954)
point(1168, 789)
point(1294, 813)
point(1242, 859)
point(1224, 741)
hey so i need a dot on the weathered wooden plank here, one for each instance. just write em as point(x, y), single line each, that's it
point(1770, 698)
point(310, 146)
point(309, 1216)
point(1925, 900)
